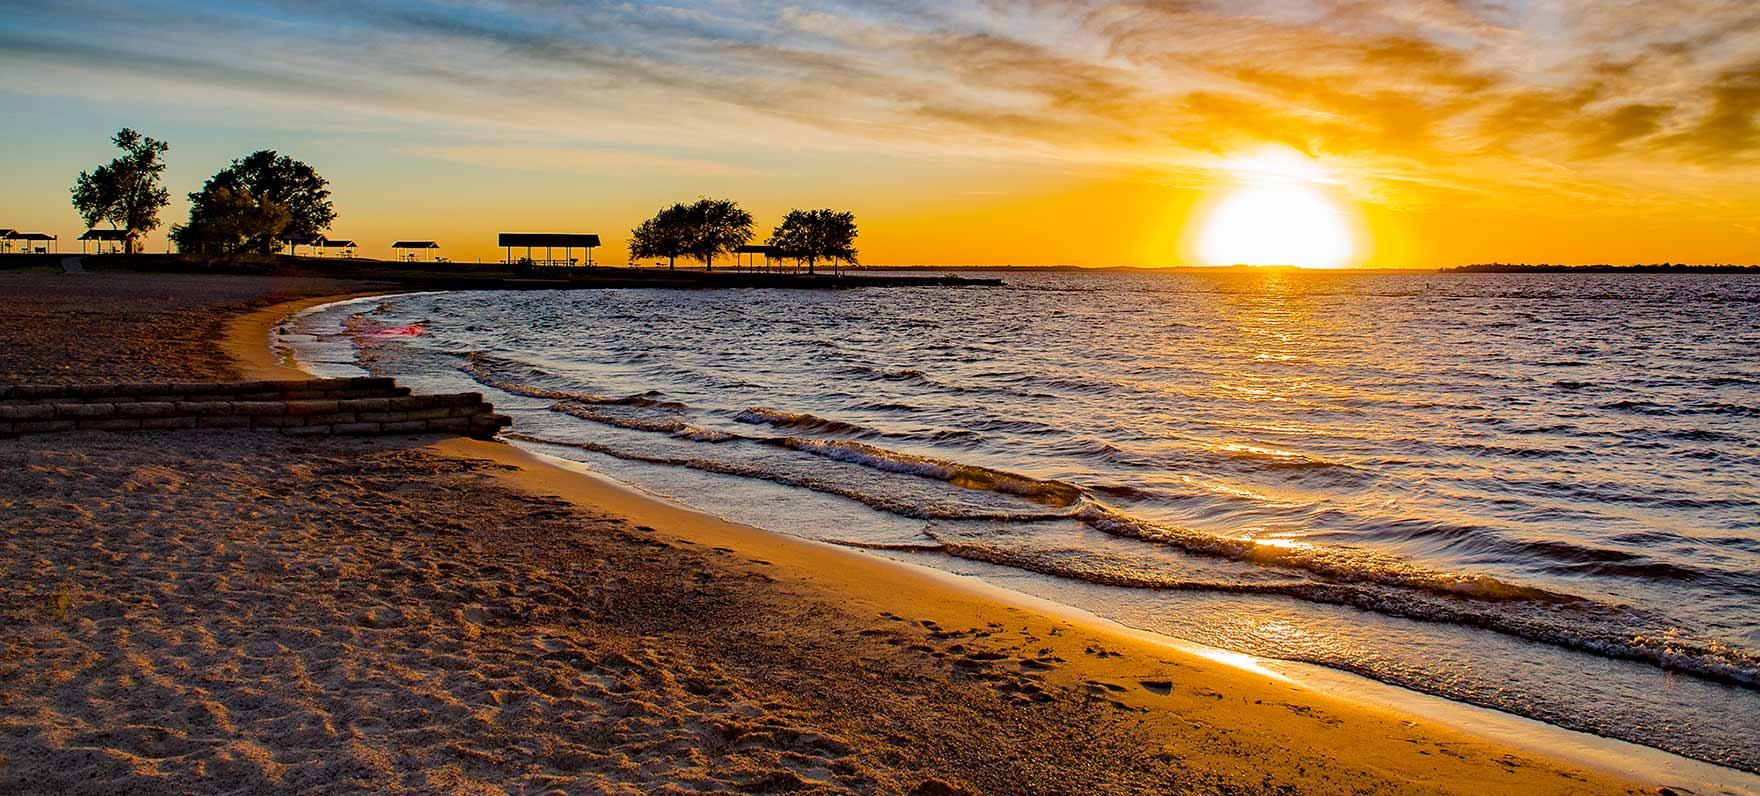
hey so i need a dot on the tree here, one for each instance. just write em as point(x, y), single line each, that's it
point(716, 226)
point(276, 180)
point(815, 235)
point(665, 235)
point(229, 221)
point(125, 192)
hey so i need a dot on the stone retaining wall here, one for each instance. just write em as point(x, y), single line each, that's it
point(318, 406)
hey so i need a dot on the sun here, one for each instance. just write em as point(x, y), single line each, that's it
point(1278, 213)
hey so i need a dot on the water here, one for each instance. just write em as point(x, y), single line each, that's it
point(1539, 493)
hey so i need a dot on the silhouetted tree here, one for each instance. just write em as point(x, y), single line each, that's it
point(716, 226)
point(277, 180)
point(125, 192)
point(667, 235)
point(228, 221)
point(814, 235)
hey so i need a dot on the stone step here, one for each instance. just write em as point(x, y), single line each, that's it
point(341, 406)
point(292, 389)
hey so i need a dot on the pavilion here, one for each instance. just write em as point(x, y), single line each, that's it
point(318, 242)
point(567, 241)
point(30, 239)
point(413, 246)
point(751, 252)
point(124, 240)
point(295, 241)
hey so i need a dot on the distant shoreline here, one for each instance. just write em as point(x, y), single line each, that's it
point(468, 275)
point(1654, 268)
point(1477, 268)
point(456, 275)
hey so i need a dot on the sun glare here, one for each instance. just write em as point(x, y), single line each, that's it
point(1278, 214)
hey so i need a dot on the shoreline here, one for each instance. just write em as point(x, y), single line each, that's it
point(859, 578)
point(502, 276)
point(250, 341)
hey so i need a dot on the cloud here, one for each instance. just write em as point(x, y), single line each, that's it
point(1728, 129)
point(1438, 86)
point(554, 159)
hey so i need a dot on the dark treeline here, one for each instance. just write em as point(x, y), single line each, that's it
point(709, 228)
point(264, 199)
point(1650, 268)
point(253, 205)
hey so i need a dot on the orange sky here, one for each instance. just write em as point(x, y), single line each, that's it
point(1026, 133)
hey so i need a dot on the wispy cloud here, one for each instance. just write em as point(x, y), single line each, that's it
point(551, 160)
point(1427, 89)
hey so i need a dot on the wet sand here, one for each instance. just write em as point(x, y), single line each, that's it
point(228, 612)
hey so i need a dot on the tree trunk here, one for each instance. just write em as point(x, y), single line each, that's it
point(810, 261)
point(671, 262)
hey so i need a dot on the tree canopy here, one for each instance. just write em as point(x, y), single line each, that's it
point(269, 180)
point(125, 192)
point(717, 226)
point(814, 235)
point(229, 221)
point(667, 235)
point(702, 230)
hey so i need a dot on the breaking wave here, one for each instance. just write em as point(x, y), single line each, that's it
point(969, 476)
point(492, 371)
point(759, 415)
point(915, 508)
point(1583, 625)
point(1329, 574)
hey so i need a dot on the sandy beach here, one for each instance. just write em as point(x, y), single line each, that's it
point(227, 612)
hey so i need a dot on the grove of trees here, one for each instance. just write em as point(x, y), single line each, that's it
point(125, 192)
point(264, 198)
point(254, 204)
point(227, 221)
point(701, 230)
point(708, 228)
point(814, 235)
point(667, 235)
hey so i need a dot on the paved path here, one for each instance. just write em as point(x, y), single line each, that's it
point(73, 265)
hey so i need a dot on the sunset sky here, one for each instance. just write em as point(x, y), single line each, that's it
point(1436, 133)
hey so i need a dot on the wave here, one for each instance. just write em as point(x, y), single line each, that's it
point(676, 428)
point(969, 476)
point(1339, 563)
point(1569, 558)
point(759, 415)
point(904, 547)
point(1329, 574)
point(1337, 575)
point(886, 406)
point(1599, 628)
point(490, 371)
point(903, 507)
point(1271, 459)
point(363, 331)
point(889, 374)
